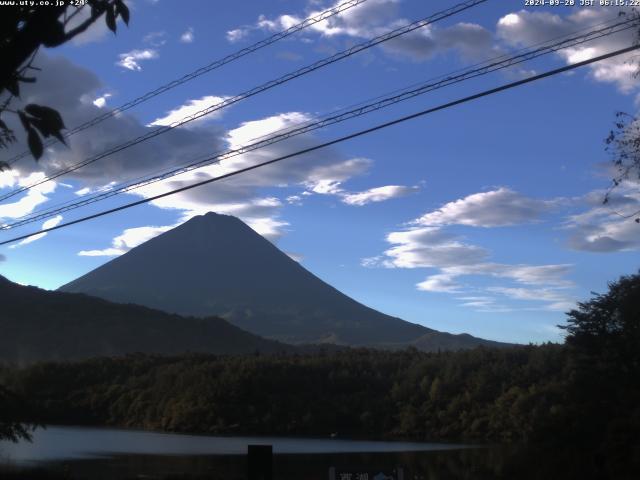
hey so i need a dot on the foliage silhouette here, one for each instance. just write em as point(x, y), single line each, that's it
point(24, 29)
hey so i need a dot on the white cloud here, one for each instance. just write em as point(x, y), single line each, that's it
point(241, 195)
point(187, 36)
point(270, 228)
point(483, 304)
point(29, 200)
point(528, 27)
point(130, 60)
point(376, 17)
point(610, 227)
point(88, 190)
point(553, 275)
point(237, 34)
point(155, 39)
point(501, 207)
point(74, 89)
point(50, 223)
point(359, 21)
point(250, 131)
point(9, 178)
point(100, 102)
point(378, 194)
point(130, 238)
point(441, 282)
point(294, 200)
point(470, 40)
point(556, 300)
point(191, 107)
point(295, 256)
point(429, 247)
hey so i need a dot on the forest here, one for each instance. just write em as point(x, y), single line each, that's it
point(584, 393)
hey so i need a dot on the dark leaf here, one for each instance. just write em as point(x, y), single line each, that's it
point(51, 116)
point(4, 166)
point(111, 19)
point(59, 136)
point(3, 126)
point(49, 121)
point(123, 11)
point(53, 35)
point(26, 123)
point(42, 127)
point(27, 79)
point(35, 143)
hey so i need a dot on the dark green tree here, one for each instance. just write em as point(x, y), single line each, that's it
point(603, 384)
point(607, 327)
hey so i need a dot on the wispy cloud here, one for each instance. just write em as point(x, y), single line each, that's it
point(527, 27)
point(376, 17)
point(31, 199)
point(130, 238)
point(188, 36)
point(100, 102)
point(52, 222)
point(155, 39)
point(191, 107)
point(237, 34)
point(609, 227)
point(131, 60)
point(495, 208)
point(378, 194)
point(428, 243)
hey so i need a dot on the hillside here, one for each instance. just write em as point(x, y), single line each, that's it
point(41, 325)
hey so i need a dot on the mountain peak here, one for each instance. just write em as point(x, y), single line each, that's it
point(214, 216)
point(215, 264)
point(226, 223)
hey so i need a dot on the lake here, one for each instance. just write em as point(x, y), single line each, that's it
point(105, 453)
point(118, 453)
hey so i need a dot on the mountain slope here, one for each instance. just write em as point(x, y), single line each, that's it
point(216, 265)
point(37, 325)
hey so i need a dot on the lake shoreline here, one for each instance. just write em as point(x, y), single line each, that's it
point(347, 437)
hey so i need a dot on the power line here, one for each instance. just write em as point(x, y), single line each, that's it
point(202, 70)
point(589, 28)
point(335, 141)
point(501, 62)
point(254, 91)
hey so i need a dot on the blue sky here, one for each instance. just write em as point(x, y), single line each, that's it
point(485, 218)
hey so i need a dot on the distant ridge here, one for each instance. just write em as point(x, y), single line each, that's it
point(216, 265)
point(38, 325)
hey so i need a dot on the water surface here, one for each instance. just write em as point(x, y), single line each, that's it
point(69, 443)
point(114, 454)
